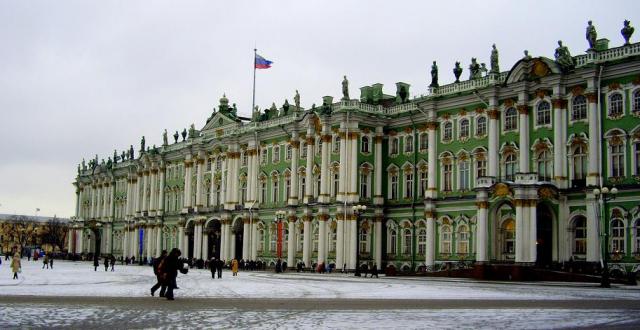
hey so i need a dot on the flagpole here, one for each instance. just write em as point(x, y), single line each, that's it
point(253, 104)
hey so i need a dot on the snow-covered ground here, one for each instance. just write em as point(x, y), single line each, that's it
point(79, 279)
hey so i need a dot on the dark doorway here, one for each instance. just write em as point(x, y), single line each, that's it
point(544, 228)
point(213, 231)
point(238, 230)
point(190, 241)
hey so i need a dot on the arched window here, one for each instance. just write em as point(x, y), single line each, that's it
point(510, 164)
point(287, 187)
point(365, 177)
point(509, 236)
point(447, 179)
point(463, 174)
point(393, 187)
point(544, 161)
point(303, 186)
point(364, 241)
point(462, 240)
point(273, 238)
point(336, 183)
point(424, 142)
point(615, 105)
point(408, 143)
point(636, 237)
point(392, 240)
point(447, 132)
point(276, 154)
point(510, 119)
point(423, 181)
point(275, 191)
point(406, 241)
point(445, 239)
point(617, 160)
point(395, 145)
point(288, 153)
point(408, 183)
point(422, 241)
point(579, 108)
point(336, 144)
point(481, 126)
point(464, 128)
point(303, 150)
point(299, 239)
point(580, 235)
point(364, 144)
point(315, 238)
point(333, 236)
point(579, 163)
point(543, 113)
point(260, 240)
point(617, 236)
point(635, 105)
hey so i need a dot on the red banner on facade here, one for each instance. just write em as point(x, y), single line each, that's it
point(279, 244)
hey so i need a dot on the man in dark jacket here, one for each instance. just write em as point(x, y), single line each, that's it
point(159, 281)
point(171, 265)
point(213, 267)
point(219, 265)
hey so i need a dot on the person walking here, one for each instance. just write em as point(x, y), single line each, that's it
point(234, 266)
point(96, 263)
point(106, 263)
point(219, 265)
point(51, 262)
point(171, 265)
point(374, 271)
point(160, 281)
point(16, 265)
point(113, 263)
point(213, 266)
point(45, 261)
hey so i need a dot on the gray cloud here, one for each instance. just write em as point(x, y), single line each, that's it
point(80, 78)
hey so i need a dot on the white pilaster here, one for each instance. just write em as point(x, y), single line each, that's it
point(291, 247)
point(306, 244)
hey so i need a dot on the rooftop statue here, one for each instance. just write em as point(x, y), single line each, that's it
point(164, 138)
point(563, 57)
point(115, 156)
point(296, 100)
point(109, 163)
point(483, 69)
point(122, 156)
point(434, 75)
point(627, 31)
point(131, 154)
point(591, 35)
point(457, 71)
point(84, 165)
point(474, 69)
point(175, 137)
point(526, 55)
point(345, 88)
point(494, 60)
point(142, 144)
point(192, 131)
point(78, 168)
point(184, 134)
point(285, 107)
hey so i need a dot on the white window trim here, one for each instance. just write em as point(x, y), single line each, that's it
point(459, 128)
point(608, 95)
point(486, 126)
point(442, 139)
point(570, 110)
point(503, 119)
point(535, 113)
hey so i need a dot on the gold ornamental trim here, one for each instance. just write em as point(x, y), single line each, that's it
point(493, 114)
point(523, 109)
point(559, 104)
point(592, 97)
point(482, 205)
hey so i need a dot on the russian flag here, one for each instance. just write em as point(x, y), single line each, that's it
point(262, 63)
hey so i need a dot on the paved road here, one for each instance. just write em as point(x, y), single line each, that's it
point(234, 313)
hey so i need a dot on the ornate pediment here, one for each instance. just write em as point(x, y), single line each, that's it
point(217, 121)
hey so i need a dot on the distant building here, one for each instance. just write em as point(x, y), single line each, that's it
point(497, 169)
point(23, 231)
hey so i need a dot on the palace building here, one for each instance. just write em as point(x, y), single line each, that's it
point(508, 167)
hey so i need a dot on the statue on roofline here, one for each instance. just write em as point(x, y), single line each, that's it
point(627, 31)
point(483, 69)
point(142, 144)
point(474, 69)
point(345, 88)
point(434, 75)
point(184, 134)
point(457, 71)
point(131, 154)
point(122, 156)
point(494, 60)
point(175, 137)
point(591, 35)
point(164, 138)
point(296, 100)
point(563, 57)
point(84, 165)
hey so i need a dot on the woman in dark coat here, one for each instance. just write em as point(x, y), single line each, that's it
point(160, 282)
point(171, 265)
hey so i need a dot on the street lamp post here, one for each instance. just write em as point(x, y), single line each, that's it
point(279, 218)
point(357, 211)
point(602, 196)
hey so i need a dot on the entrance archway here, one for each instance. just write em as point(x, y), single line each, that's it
point(238, 233)
point(189, 231)
point(544, 231)
point(502, 220)
point(213, 231)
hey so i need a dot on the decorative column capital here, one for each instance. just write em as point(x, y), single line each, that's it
point(559, 103)
point(482, 204)
point(592, 97)
point(523, 109)
point(493, 113)
point(432, 125)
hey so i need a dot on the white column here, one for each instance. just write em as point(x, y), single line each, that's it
point(93, 201)
point(230, 242)
point(520, 232)
point(322, 238)
point(353, 242)
point(199, 180)
point(291, 248)
point(145, 187)
point(340, 238)
point(493, 148)
point(254, 242)
point(181, 239)
point(481, 231)
point(343, 185)
point(523, 110)
point(378, 242)
point(245, 240)
point(112, 197)
point(138, 200)
point(559, 140)
point(80, 198)
point(80, 240)
point(224, 185)
point(432, 190)
point(377, 168)
point(309, 170)
point(533, 232)
point(205, 244)
point(324, 166)
point(188, 170)
point(295, 148)
point(594, 249)
point(594, 141)
point(152, 189)
point(430, 255)
point(352, 175)
point(306, 243)
point(161, 193)
point(158, 240)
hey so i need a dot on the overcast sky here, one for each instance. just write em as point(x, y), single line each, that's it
point(79, 78)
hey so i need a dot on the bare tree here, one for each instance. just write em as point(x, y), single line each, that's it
point(21, 229)
point(54, 233)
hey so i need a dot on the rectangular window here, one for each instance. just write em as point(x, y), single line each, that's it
point(447, 177)
point(481, 168)
point(364, 185)
point(274, 191)
point(263, 192)
point(394, 146)
point(464, 175)
point(617, 160)
point(636, 153)
point(408, 143)
point(424, 142)
point(408, 185)
point(423, 183)
point(276, 154)
point(303, 150)
point(394, 187)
